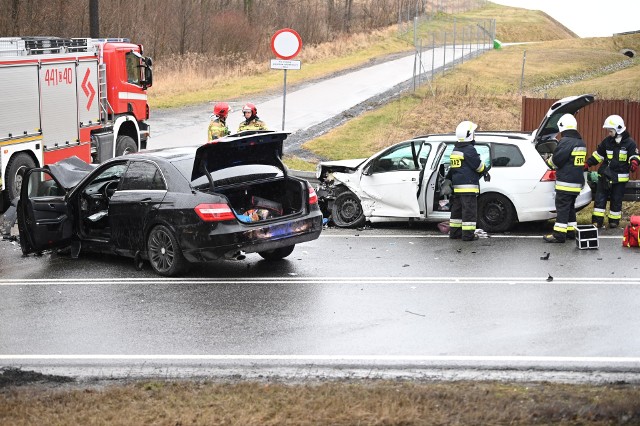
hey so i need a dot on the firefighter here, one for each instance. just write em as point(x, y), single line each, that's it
point(218, 125)
point(568, 160)
point(617, 155)
point(251, 120)
point(466, 169)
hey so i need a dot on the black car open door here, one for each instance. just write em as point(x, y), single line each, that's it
point(44, 218)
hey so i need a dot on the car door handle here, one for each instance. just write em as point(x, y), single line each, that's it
point(145, 201)
point(53, 206)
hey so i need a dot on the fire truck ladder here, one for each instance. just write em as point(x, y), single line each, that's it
point(105, 107)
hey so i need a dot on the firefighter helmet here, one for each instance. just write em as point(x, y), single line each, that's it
point(614, 122)
point(465, 132)
point(567, 122)
point(250, 107)
point(221, 109)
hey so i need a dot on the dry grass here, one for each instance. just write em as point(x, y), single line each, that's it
point(192, 79)
point(417, 114)
point(486, 90)
point(370, 403)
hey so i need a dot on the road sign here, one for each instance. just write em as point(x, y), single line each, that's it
point(286, 43)
point(280, 64)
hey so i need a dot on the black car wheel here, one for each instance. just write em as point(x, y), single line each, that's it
point(495, 213)
point(125, 145)
point(164, 253)
point(277, 254)
point(347, 211)
point(16, 168)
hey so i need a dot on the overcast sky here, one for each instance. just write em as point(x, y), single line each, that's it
point(587, 18)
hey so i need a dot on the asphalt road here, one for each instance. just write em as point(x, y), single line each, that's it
point(378, 302)
point(313, 108)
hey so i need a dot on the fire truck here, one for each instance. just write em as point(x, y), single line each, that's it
point(69, 97)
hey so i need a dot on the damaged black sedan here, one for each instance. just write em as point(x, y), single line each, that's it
point(173, 206)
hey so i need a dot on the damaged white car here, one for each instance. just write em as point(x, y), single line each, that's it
point(406, 182)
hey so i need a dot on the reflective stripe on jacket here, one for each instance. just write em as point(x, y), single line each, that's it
point(568, 159)
point(615, 156)
point(466, 168)
point(217, 129)
point(253, 124)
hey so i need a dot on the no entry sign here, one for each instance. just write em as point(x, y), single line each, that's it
point(286, 43)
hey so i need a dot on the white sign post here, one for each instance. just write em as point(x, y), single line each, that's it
point(285, 44)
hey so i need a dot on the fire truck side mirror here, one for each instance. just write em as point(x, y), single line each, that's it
point(148, 73)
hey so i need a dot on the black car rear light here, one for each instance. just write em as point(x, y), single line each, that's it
point(214, 212)
point(549, 176)
point(313, 197)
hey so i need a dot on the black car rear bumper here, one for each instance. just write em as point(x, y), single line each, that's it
point(226, 239)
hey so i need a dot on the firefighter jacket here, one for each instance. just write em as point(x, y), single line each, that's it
point(615, 156)
point(218, 129)
point(253, 123)
point(466, 168)
point(568, 160)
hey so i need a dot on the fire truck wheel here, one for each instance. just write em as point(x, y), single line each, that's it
point(125, 145)
point(16, 167)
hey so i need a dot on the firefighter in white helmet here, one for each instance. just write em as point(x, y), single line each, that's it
point(618, 156)
point(466, 169)
point(568, 160)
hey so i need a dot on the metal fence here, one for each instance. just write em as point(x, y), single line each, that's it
point(455, 41)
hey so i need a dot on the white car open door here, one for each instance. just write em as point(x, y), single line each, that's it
point(390, 182)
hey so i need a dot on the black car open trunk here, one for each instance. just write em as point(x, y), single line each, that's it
point(265, 200)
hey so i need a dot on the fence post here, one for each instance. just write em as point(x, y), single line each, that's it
point(444, 48)
point(454, 41)
point(524, 59)
point(462, 46)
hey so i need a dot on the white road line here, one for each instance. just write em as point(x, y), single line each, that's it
point(321, 280)
point(379, 358)
point(535, 237)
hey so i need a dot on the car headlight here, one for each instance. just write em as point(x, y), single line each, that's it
point(318, 171)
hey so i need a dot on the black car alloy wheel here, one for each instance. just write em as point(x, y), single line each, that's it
point(164, 253)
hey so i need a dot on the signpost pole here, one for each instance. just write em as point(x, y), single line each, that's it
point(285, 44)
point(284, 97)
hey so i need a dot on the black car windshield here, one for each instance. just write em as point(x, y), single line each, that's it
point(230, 175)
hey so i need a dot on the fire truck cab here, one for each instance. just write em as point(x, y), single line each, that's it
point(69, 97)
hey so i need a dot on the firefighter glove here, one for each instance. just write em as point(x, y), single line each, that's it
point(634, 165)
point(487, 177)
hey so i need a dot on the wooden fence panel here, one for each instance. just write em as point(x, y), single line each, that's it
point(589, 118)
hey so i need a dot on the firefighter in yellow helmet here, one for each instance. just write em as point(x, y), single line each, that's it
point(466, 169)
point(218, 125)
point(251, 120)
point(568, 160)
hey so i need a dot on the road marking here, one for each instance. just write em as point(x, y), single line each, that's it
point(606, 237)
point(379, 358)
point(600, 281)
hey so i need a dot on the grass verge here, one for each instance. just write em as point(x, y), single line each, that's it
point(341, 403)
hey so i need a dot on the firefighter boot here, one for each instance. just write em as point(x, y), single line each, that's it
point(553, 238)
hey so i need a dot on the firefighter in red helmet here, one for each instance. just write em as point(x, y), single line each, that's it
point(251, 120)
point(218, 125)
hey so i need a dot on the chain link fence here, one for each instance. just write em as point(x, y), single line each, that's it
point(452, 40)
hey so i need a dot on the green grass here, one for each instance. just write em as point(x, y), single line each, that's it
point(486, 89)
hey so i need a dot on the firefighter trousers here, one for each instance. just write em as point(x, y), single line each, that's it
point(566, 214)
point(464, 212)
point(613, 192)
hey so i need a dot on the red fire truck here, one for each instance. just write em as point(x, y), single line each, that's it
point(64, 97)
